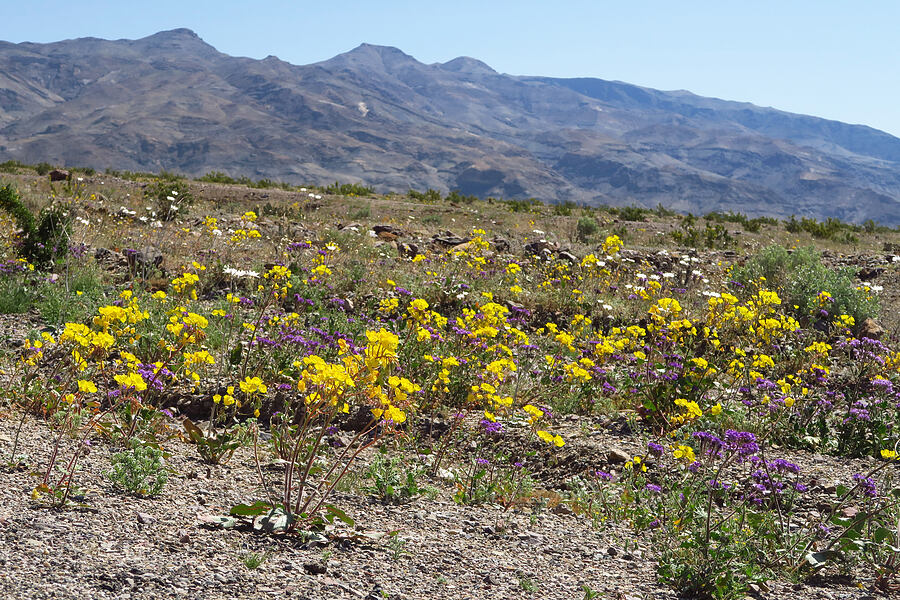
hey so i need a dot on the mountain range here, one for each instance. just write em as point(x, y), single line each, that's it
point(378, 116)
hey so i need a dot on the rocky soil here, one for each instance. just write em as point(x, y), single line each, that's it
point(110, 545)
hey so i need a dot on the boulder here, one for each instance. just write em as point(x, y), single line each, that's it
point(869, 273)
point(60, 175)
point(871, 329)
point(387, 229)
point(407, 250)
point(449, 240)
point(500, 244)
point(541, 248)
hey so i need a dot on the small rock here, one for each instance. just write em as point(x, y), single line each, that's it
point(387, 229)
point(871, 329)
point(315, 568)
point(542, 248)
point(407, 250)
point(618, 456)
point(60, 175)
point(144, 518)
point(869, 273)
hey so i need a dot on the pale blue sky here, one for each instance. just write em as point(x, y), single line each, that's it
point(839, 60)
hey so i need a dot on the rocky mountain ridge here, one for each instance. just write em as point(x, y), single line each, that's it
point(377, 115)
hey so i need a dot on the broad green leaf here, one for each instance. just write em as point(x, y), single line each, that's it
point(252, 510)
point(338, 513)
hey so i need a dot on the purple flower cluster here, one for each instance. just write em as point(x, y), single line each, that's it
point(153, 378)
point(741, 443)
point(8, 267)
point(491, 428)
point(655, 449)
point(866, 485)
point(864, 349)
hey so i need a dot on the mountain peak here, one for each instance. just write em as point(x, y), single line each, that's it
point(179, 33)
point(179, 40)
point(373, 58)
point(468, 65)
point(366, 48)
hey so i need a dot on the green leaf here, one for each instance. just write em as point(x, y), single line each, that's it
point(338, 513)
point(194, 432)
point(252, 510)
point(219, 521)
point(817, 560)
point(882, 534)
point(275, 521)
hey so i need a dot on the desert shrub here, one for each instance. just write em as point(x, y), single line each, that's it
point(10, 166)
point(662, 211)
point(428, 196)
point(751, 225)
point(530, 205)
point(564, 209)
point(17, 289)
point(349, 189)
point(586, 228)
point(391, 482)
point(140, 471)
point(632, 213)
point(170, 197)
point(217, 177)
point(455, 196)
point(711, 236)
point(829, 229)
point(44, 238)
point(801, 277)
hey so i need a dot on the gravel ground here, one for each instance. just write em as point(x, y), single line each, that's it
point(117, 546)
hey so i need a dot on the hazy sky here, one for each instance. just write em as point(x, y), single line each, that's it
point(838, 60)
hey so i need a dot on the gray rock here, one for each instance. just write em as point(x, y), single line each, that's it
point(617, 456)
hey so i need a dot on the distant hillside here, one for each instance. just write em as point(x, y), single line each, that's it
point(376, 115)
